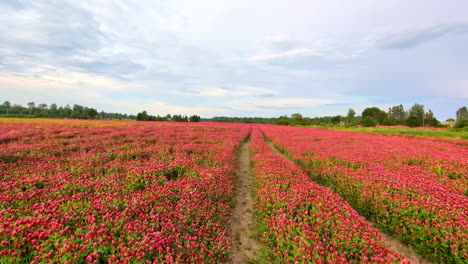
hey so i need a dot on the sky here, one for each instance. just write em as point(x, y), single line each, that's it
point(236, 58)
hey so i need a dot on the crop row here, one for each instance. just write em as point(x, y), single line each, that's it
point(373, 174)
point(103, 192)
point(301, 222)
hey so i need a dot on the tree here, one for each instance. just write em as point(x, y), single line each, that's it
point(297, 119)
point(143, 116)
point(416, 114)
point(368, 121)
point(461, 123)
point(31, 106)
point(389, 122)
point(375, 113)
point(430, 120)
point(398, 114)
point(7, 106)
point(53, 110)
point(462, 113)
point(350, 115)
point(283, 120)
point(91, 113)
point(194, 118)
point(336, 119)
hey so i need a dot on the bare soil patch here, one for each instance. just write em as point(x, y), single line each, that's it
point(244, 246)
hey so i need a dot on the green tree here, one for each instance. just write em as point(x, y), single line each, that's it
point(368, 121)
point(143, 116)
point(6, 105)
point(31, 106)
point(296, 119)
point(430, 120)
point(283, 120)
point(376, 113)
point(416, 116)
point(53, 110)
point(398, 114)
point(42, 109)
point(336, 119)
point(350, 115)
point(462, 113)
point(194, 118)
point(461, 123)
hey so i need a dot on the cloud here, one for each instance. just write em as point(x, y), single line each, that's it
point(293, 103)
point(237, 91)
point(410, 38)
point(280, 42)
point(154, 107)
point(293, 54)
point(46, 79)
point(284, 51)
point(205, 54)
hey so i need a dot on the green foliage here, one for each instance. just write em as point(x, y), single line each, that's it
point(194, 118)
point(413, 121)
point(397, 114)
point(53, 111)
point(416, 116)
point(462, 113)
point(374, 112)
point(461, 123)
point(248, 120)
point(350, 115)
point(175, 173)
point(369, 121)
point(144, 116)
point(137, 183)
point(389, 122)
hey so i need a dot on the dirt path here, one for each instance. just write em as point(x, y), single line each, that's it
point(245, 246)
point(396, 245)
point(390, 241)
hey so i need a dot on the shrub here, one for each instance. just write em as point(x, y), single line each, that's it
point(461, 123)
point(369, 121)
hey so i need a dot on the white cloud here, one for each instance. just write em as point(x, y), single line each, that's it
point(50, 78)
point(154, 108)
point(238, 91)
point(293, 102)
point(154, 51)
point(290, 54)
point(415, 36)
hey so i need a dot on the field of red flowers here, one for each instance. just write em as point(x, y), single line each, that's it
point(99, 192)
point(416, 190)
point(301, 221)
point(160, 192)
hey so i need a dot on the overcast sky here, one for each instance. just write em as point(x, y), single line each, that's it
point(236, 58)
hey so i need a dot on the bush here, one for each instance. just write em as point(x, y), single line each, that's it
point(389, 122)
point(413, 121)
point(368, 122)
point(461, 123)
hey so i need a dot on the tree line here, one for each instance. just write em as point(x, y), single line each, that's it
point(33, 110)
point(249, 120)
point(144, 116)
point(416, 116)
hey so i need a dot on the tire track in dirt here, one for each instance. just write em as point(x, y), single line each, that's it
point(392, 243)
point(244, 245)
